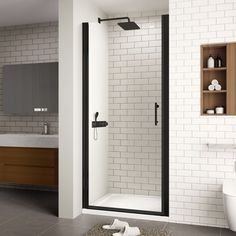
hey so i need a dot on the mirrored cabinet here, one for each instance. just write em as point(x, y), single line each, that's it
point(30, 88)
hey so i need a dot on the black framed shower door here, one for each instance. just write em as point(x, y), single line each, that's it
point(164, 132)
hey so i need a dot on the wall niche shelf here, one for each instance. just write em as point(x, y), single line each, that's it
point(226, 75)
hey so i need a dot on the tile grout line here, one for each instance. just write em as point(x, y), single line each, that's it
point(46, 230)
point(11, 219)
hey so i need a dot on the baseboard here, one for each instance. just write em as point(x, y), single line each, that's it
point(29, 187)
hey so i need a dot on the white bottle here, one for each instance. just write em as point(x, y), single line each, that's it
point(211, 62)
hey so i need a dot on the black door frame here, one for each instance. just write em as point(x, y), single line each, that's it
point(165, 124)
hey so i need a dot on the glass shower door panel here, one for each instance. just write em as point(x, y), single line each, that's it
point(98, 111)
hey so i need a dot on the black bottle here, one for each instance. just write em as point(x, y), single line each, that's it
point(218, 62)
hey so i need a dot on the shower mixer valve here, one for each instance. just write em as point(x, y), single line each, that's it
point(99, 124)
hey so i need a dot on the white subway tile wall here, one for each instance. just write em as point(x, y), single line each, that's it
point(134, 87)
point(196, 172)
point(27, 44)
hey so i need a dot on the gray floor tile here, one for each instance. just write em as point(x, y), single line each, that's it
point(192, 230)
point(25, 212)
point(86, 221)
point(10, 209)
point(34, 213)
point(7, 214)
point(227, 232)
point(65, 230)
point(29, 223)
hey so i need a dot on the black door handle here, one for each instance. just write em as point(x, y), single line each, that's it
point(156, 107)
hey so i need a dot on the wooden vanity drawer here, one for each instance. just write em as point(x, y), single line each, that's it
point(28, 156)
point(34, 166)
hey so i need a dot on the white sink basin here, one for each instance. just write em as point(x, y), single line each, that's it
point(29, 140)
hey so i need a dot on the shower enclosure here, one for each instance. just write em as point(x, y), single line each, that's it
point(126, 114)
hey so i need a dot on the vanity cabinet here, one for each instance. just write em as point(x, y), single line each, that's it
point(225, 75)
point(30, 88)
point(29, 166)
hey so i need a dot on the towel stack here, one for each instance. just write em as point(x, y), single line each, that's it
point(214, 85)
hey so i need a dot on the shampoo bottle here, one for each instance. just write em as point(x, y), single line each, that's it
point(210, 62)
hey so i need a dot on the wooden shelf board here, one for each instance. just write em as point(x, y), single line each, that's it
point(215, 69)
point(214, 91)
point(216, 45)
point(205, 114)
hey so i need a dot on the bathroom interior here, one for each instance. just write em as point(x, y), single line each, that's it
point(29, 100)
point(153, 147)
point(126, 166)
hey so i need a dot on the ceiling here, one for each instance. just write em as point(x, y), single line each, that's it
point(126, 6)
point(17, 12)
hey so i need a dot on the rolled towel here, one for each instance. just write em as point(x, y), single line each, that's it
point(210, 112)
point(128, 231)
point(217, 87)
point(214, 82)
point(211, 87)
point(116, 224)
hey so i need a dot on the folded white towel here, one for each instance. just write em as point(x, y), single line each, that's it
point(211, 87)
point(217, 87)
point(214, 82)
point(116, 224)
point(128, 231)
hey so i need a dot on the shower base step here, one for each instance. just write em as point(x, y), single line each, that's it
point(129, 201)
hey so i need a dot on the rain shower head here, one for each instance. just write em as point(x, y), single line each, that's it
point(130, 25)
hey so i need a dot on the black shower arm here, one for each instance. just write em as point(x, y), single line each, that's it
point(109, 19)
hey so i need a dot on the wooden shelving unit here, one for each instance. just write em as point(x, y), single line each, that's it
point(226, 75)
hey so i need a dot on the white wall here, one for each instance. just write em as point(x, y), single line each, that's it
point(98, 102)
point(22, 44)
point(197, 172)
point(67, 75)
point(69, 169)
point(71, 15)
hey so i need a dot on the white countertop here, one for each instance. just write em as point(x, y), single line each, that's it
point(29, 140)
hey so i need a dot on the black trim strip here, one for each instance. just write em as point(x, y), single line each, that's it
point(165, 115)
point(85, 128)
point(165, 124)
point(124, 210)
